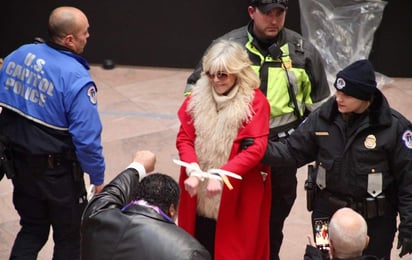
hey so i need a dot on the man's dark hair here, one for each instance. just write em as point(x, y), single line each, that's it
point(160, 190)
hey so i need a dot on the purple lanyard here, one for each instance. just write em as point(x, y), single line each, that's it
point(145, 204)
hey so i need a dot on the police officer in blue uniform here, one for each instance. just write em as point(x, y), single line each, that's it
point(363, 154)
point(51, 129)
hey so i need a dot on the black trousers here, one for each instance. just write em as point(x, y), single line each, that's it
point(381, 230)
point(205, 231)
point(51, 199)
point(284, 183)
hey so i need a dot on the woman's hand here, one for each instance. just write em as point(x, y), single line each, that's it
point(214, 187)
point(191, 185)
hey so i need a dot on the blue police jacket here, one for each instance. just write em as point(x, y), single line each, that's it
point(52, 87)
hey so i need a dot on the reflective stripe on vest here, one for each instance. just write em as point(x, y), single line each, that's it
point(274, 84)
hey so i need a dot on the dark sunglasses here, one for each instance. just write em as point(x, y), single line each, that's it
point(220, 75)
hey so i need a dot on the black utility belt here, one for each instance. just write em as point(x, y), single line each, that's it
point(49, 161)
point(369, 207)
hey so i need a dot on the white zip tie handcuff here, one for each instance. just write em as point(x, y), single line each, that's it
point(218, 174)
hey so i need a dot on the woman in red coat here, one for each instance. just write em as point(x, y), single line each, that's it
point(224, 125)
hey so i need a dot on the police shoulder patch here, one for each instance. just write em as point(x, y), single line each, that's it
point(407, 138)
point(92, 93)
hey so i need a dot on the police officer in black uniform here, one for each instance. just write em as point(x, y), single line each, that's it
point(363, 154)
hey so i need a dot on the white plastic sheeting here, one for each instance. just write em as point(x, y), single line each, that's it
point(342, 31)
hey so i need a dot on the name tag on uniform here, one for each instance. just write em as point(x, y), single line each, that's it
point(321, 133)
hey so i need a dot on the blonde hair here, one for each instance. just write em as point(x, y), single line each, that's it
point(231, 57)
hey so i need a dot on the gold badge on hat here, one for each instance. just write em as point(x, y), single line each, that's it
point(370, 142)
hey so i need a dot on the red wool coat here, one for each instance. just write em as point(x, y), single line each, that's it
point(242, 229)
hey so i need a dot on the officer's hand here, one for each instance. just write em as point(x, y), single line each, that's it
point(146, 158)
point(406, 245)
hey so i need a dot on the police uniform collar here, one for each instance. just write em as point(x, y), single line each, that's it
point(379, 110)
point(69, 52)
point(57, 46)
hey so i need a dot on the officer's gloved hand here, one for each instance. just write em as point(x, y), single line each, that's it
point(406, 245)
point(245, 143)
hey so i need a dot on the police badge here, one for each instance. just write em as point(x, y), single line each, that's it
point(370, 142)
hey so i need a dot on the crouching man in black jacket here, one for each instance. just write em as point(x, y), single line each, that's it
point(135, 220)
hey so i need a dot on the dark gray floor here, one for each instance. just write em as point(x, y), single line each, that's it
point(138, 110)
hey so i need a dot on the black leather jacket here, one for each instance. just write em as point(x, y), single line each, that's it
point(138, 232)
